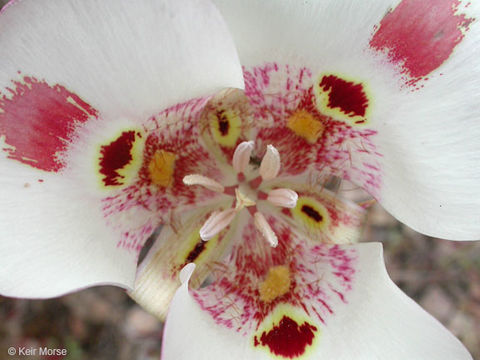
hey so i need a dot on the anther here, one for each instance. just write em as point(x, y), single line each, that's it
point(283, 197)
point(204, 181)
point(265, 229)
point(270, 165)
point(241, 156)
point(217, 221)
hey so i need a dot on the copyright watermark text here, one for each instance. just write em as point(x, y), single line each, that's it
point(36, 351)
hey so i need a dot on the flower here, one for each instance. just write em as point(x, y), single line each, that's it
point(134, 115)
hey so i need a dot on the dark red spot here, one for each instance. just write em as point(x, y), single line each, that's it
point(38, 121)
point(312, 213)
point(288, 339)
point(347, 96)
point(223, 124)
point(197, 250)
point(115, 156)
point(421, 34)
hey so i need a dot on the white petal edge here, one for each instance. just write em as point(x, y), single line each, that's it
point(379, 322)
point(54, 238)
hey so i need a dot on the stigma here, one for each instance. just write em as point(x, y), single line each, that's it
point(247, 192)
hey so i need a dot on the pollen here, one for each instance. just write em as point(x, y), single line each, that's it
point(276, 284)
point(304, 124)
point(161, 168)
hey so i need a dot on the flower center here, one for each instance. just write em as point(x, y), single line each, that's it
point(246, 192)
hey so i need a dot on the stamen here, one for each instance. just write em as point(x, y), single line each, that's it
point(217, 221)
point(265, 229)
point(270, 165)
point(204, 181)
point(241, 156)
point(283, 197)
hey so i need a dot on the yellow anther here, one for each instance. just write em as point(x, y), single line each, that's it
point(276, 284)
point(304, 124)
point(161, 168)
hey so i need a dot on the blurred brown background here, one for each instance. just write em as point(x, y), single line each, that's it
point(104, 324)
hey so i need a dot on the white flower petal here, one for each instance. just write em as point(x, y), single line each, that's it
point(84, 75)
point(55, 239)
point(125, 58)
point(376, 320)
point(319, 34)
point(427, 130)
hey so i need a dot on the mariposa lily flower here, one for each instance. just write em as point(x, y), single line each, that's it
point(117, 117)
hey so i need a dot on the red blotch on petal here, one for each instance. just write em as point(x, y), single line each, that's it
point(287, 339)
point(421, 34)
point(38, 120)
point(115, 156)
point(348, 97)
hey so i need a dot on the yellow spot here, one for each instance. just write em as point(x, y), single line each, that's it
point(304, 124)
point(226, 127)
point(161, 168)
point(311, 213)
point(276, 284)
